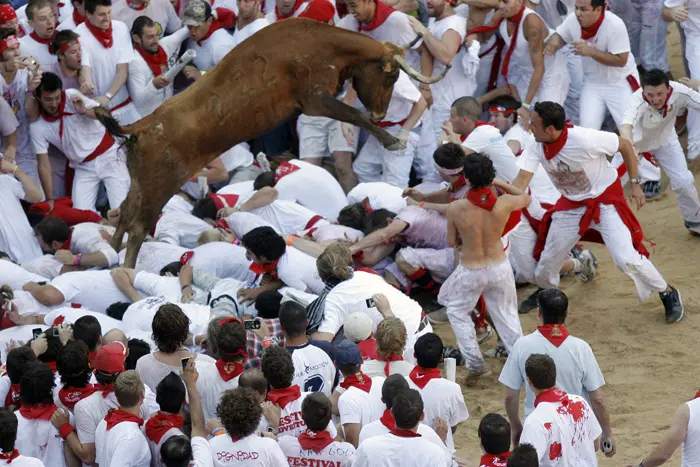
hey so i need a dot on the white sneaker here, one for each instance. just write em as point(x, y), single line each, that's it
point(589, 265)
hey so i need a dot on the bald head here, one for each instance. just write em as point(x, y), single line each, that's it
point(115, 335)
point(467, 107)
point(253, 378)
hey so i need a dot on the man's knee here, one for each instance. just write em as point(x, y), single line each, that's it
point(404, 266)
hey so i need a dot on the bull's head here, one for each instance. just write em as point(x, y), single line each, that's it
point(376, 81)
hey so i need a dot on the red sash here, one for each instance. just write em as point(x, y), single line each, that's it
point(106, 143)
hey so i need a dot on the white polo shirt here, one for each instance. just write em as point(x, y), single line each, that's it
point(381, 195)
point(124, 444)
point(359, 407)
point(211, 386)
point(487, 139)
point(443, 398)
point(161, 12)
point(15, 275)
point(390, 450)
point(86, 238)
point(139, 315)
point(39, 439)
point(212, 50)
point(252, 451)
point(578, 372)
point(287, 217)
point(179, 228)
point(314, 370)
point(336, 454)
point(95, 290)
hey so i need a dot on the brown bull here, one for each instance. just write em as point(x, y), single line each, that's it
point(292, 66)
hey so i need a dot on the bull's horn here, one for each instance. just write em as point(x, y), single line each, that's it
point(413, 42)
point(417, 76)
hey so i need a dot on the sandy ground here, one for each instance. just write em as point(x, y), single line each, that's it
point(650, 367)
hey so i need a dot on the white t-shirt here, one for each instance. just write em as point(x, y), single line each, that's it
point(123, 445)
point(44, 266)
point(16, 235)
point(581, 169)
point(563, 438)
point(287, 217)
point(577, 369)
point(166, 287)
point(390, 450)
point(23, 461)
point(71, 315)
point(443, 398)
point(239, 35)
point(15, 95)
point(487, 140)
point(179, 228)
point(251, 451)
point(139, 315)
point(381, 195)
point(223, 260)
point(611, 37)
point(692, 24)
point(95, 290)
point(359, 407)
point(377, 428)
point(242, 189)
point(691, 443)
point(212, 50)
point(86, 238)
point(336, 454)
point(21, 333)
point(210, 387)
point(373, 368)
point(314, 370)
point(153, 256)
point(39, 439)
point(298, 270)
point(161, 12)
point(458, 81)
point(16, 276)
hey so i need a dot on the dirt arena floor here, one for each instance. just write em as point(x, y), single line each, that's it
point(649, 367)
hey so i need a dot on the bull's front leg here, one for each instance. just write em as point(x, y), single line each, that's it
point(137, 234)
point(338, 110)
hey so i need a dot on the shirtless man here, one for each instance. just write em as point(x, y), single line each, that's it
point(484, 269)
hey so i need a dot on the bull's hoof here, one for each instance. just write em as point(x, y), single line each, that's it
point(395, 145)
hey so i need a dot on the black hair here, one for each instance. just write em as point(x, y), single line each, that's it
point(264, 243)
point(263, 180)
point(73, 364)
point(87, 329)
point(4, 255)
point(541, 370)
point(231, 338)
point(597, 4)
point(277, 366)
point(172, 268)
point(91, 5)
point(479, 170)
point(253, 378)
point(407, 409)
point(352, 216)
point(170, 328)
point(170, 393)
point(655, 77)
point(240, 411)
point(18, 360)
point(137, 349)
point(494, 432)
point(508, 103)
point(552, 114)
point(51, 229)
point(54, 346)
point(393, 385)
point(524, 455)
point(554, 306)
point(268, 304)
point(428, 350)
point(449, 156)
point(105, 378)
point(8, 430)
point(316, 411)
point(176, 451)
point(205, 208)
point(116, 310)
point(376, 220)
point(36, 385)
point(6, 32)
point(293, 319)
point(140, 23)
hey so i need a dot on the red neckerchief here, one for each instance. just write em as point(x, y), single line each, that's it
point(12, 397)
point(155, 61)
point(186, 257)
point(665, 107)
point(387, 420)
point(513, 39)
point(458, 184)
point(316, 441)
point(269, 268)
point(592, 30)
point(381, 13)
point(404, 433)
point(10, 457)
point(60, 319)
point(554, 333)
point(495, 460)
point(551, 395)
point(368, 347)
point(70, 396)
point(553, 148)
point(483, 123)
point(359, 381)
point(104, 37)
point(38, 411)
point(213, 27)
point(227, 18)
point(462, 138)
point(366, 205)
point(39, 39)
point(105, 388)
point(393, 358)
point(223, 201)
point(282, 397)
point(78, 19)
point(697, 394)
point(115, 416)
point(284, 169)
point(59, 116)
point(52, 365)
point(297, 5)
point(160, 423)
point(229, 370)
point(422, 376)
point(483, 198)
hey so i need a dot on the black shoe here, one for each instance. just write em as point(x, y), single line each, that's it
point(451, 352)
point(673, 305)
point(651, 189)
point(530, 303)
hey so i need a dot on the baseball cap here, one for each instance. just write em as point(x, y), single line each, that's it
point(357, 326)
point(195, 13)
point(347, 353)
point(110, 358)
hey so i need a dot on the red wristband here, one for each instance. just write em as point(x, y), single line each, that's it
point(65, 430)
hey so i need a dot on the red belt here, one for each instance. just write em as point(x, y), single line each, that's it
point(105, 144)
point(123, 104)
point(313, 221)
point(634, 84)
point(384, 124)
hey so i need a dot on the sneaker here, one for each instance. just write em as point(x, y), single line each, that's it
point(499, 351)
point(431, 305)
point(589, 264)
point(438, 317)
point(486, 334)
point(693, 228)
point(530, 303)
point(450, 352)
point(651, 189)
point(673, 305)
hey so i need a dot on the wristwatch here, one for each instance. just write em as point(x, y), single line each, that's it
point(109, 95)
point(636, 181)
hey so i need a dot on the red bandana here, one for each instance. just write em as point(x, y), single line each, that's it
point(393, 358)
point(381, 14)
point(78, 19)
point(186, 257)
point(297, 5)
point(282, 397)
point(458, 184)
point(160, 423)
point(592, 30)
point(106, 389)
point(368, 347)
point(269, 268)
point(554, 333)
point(223, 201)
point(229, 370)
point(483, 198)
point(495, 460)
point(284, 169)
point(12, 397)
point(116, 416)
point(317, 442)
point(366, 205)
point(665, 107)
point(10, 457)
point(104, 37)
point(41, 40)
point(52, 118)
point(71, 396)
point(60, 319)
point(404, 433)
point(552, 395)
point(553, 148)
point(387, 419)
point(38, 411)
point(422, 376)
point(359, 381)
point(213, 27)
point(156, 62)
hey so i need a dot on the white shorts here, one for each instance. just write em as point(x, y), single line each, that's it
point(321, 136)
point(439, 263)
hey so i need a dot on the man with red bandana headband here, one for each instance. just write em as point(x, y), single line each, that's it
point(8, 19)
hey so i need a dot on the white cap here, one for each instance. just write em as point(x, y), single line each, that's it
point(358, 326)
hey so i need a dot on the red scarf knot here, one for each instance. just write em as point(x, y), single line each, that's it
point(388, 360)
point(315, 441)
point(358, 380)
point(387, 420)
point(117, 416)
point(38, 411)
point(590, 31)
point(106, 389)
point(69, 396)
point(186, 257)
point(41, 40)
point(669, 93)
point(229, 370)
point(268, 268)
point(495, 460)
point(554, 333)
point(282, 397)
point(381, 14)
point(159, 424)
point(58, 117)
point(484, 198)
point(103, 36)
point(552, 395)
point(157, 62)
point(78, 19)
point(9, 457)
point(553, 148)
point(284, 169)
point(401, 433)
point(422, 376)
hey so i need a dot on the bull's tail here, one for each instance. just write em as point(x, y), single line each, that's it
point(110, 123)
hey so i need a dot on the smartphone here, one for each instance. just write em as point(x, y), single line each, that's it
point(55, 331)
point(42, 283)
point(251, 324)
point(370, 303)
point(36, 332)
point(184, 362)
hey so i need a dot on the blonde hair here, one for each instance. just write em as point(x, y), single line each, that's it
point(209, 236)
point(129, 389)
point(335, 261)
point(390, 337)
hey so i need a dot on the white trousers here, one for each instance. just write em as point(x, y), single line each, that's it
point(563, 235)
point(423, 162)
point(670, 156)
point(572, 103)
point(483, 74)
point(439, 263)
point(376, 164)
point(321, 136)
point(461, 292)
point(522, 243)
point(599, 97)
point(109, 168)
point(692, 55)
point(647, 32)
